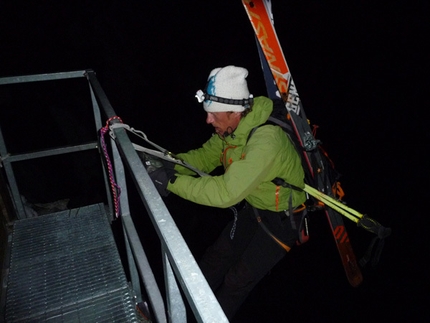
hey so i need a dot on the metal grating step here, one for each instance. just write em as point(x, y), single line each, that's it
point(65, 267)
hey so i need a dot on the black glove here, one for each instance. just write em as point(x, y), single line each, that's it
point(168, 164)
point(161, 178)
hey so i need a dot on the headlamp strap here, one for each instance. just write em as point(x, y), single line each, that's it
point(203, 96)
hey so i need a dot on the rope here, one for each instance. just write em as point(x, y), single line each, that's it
point(116, 190)
point(233, 228)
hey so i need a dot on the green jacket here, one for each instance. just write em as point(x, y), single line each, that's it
point(249, 167)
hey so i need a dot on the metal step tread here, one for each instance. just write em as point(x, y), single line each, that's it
point(65, 267)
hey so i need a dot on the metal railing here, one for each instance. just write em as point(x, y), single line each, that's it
point(179, 264)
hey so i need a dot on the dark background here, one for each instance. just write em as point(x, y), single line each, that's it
point(362, 72)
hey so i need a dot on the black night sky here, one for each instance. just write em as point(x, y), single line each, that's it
point(361, 71)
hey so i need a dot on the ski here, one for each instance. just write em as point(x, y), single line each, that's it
point(280, 84)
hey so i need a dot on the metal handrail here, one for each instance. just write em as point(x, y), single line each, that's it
point(175, 250)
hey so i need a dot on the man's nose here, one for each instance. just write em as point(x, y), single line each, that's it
point(209, 118)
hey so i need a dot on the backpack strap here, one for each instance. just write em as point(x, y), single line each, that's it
point(252, 132)
point(280, 182)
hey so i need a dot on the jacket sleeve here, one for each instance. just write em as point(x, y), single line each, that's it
point(241, 178)
point(206, 158)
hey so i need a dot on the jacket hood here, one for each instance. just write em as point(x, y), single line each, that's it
point(260, 113)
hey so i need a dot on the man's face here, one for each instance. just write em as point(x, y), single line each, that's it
point(223, 122)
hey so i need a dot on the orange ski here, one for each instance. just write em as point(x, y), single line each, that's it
point(275, 65)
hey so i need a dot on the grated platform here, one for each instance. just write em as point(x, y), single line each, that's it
point(65, 267)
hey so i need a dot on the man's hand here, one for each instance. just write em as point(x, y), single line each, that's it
point(161, 178)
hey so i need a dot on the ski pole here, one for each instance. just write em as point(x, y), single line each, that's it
point(348, 212)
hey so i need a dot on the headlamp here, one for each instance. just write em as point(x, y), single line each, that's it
point(200, 95)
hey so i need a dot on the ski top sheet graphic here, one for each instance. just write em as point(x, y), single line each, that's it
point(274, 63)
point(258, 12)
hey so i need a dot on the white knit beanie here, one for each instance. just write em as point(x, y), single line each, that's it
point(226, 83)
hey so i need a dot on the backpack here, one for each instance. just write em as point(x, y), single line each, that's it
point(299, 217)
